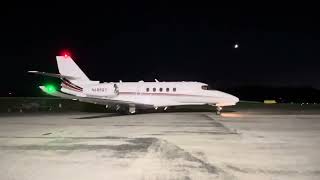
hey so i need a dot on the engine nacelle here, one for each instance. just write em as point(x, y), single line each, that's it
point(102, 90)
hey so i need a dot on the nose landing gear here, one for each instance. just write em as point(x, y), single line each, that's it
point(219, 108)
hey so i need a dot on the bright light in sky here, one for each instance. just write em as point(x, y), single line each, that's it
point(236, 46)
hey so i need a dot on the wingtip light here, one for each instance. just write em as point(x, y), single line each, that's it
point(50, 88)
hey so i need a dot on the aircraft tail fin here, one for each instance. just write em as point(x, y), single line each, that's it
point(67, 67)
point(70, 73)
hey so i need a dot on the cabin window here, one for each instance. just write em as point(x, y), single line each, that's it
point(174, 89)
point(205, 87)
point(147, 89)
point(160, 89)
point(167, 89)
point(154, 89)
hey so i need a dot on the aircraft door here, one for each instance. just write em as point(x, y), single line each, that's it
point(139, 89)
point(116, 89)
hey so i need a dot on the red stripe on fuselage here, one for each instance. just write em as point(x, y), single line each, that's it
point(165, 94)
point(70, 87)
point(67, 82)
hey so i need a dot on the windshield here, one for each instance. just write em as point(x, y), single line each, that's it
point(204, 87)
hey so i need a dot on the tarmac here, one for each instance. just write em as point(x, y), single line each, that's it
point(175, 145)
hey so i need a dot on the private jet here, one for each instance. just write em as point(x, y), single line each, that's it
point(131, 96)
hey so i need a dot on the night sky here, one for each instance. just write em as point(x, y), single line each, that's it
point(137, 41)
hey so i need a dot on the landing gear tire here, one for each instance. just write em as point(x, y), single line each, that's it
point(219, 110)
point(132, 109)
point(118, 107)
point(161, 109)
point(126, 110)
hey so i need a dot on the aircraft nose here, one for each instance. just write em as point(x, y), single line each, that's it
point(227, 98)
point(232, 98)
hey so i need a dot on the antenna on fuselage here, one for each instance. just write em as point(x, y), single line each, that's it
point(156, 80)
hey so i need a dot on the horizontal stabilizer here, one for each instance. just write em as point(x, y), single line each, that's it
point(54, 75)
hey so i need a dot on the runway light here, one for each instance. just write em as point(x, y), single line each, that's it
point(50, 89)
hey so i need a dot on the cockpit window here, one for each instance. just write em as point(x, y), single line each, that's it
point(205, 87)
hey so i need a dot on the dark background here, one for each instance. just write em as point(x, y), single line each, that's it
point(278, 52)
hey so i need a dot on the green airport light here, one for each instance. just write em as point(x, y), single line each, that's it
point(50, 88)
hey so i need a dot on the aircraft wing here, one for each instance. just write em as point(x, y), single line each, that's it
point(91, 99)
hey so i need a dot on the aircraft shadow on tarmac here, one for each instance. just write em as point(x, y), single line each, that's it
point(141, 113)
point(101, 116)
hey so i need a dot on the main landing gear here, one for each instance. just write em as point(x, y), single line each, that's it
point(132, 109)
point(161, 109)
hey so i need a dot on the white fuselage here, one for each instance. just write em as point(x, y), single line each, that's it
point(77, 86)
point(157, 94)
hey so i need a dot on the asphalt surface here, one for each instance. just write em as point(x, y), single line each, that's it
point(180, 145)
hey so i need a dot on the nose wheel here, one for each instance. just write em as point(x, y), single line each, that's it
point(219, 108)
